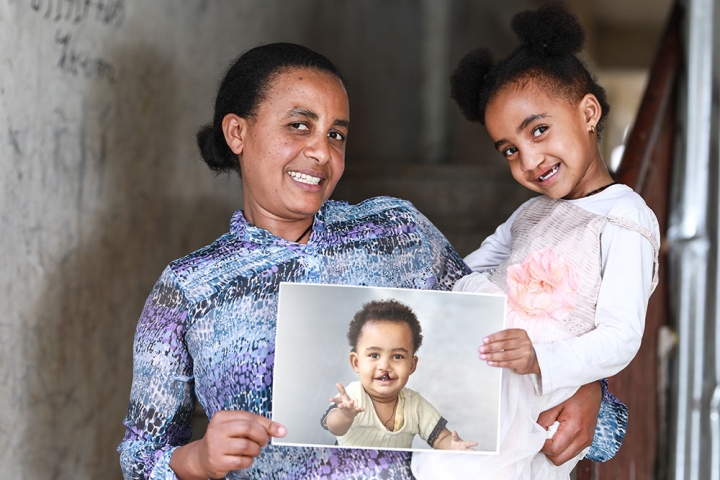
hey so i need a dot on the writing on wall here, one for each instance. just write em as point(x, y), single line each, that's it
point(106, 12)
point(73, 59)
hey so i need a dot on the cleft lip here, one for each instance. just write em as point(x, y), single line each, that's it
point(385, 377)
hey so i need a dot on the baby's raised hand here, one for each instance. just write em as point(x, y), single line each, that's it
point(344, 403)
point(457, 443)
point(511, 349)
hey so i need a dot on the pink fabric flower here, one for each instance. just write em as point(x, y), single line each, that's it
point(542, 287)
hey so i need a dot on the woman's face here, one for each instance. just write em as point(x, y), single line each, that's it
point(546, 140)
point(292, 152)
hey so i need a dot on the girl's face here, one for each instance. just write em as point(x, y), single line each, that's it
point(292, 153)
point(546, 140)
point(384, 359)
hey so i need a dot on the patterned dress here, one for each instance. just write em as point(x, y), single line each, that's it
point(207, 332)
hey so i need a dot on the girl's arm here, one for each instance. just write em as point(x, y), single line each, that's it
point(628, 259)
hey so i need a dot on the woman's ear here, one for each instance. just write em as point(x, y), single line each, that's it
point(234, 128)
point(591, 110)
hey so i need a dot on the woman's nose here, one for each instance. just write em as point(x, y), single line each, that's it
point(319, 149)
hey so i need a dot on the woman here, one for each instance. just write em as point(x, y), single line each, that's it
point(207, 330)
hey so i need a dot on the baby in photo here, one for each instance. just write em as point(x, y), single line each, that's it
point(379, 410)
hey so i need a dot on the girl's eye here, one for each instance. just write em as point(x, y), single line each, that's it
point(539, 131)
point(337, 136)
point(299, 126)
point(398, 357)
point(374, 355)
point(509, 152)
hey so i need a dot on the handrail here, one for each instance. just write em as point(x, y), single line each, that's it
point(660, 89)
point(645, 166)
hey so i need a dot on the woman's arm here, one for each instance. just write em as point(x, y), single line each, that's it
point(447, 265)
point(162, 399)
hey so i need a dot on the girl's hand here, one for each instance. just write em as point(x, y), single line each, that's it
point(511, 349)
point(457, 443)
point(232, 441)
point(345, 404)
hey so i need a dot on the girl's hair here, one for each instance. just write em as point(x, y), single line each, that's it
point(246, 84)
point(384, 311)
point(550, 37)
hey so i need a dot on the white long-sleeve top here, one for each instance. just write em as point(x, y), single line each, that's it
point(627, 269)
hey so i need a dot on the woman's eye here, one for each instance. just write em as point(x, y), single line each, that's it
point(337, 136)
point(539, 131)
point(509, 152)
point(299, 126)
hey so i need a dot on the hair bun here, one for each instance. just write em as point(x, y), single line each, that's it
point(467, 80)
point(214, 151)
point(550, 30)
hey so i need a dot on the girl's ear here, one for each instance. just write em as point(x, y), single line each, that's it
point(234, 128)
point(354, 361)
point(414, 364)
point(591, 110)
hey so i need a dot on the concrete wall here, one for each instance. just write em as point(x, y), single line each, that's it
point(101, 185)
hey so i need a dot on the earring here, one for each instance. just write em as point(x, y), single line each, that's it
point(592, 128)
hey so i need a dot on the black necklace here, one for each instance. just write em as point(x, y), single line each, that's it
point(392, 414)
point(597, 190)
point(304, 233)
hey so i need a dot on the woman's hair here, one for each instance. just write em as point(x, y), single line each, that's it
point(245, 85)
point(384, 311)
point(550, 38)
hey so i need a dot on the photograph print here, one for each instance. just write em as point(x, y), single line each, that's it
point(388, 368)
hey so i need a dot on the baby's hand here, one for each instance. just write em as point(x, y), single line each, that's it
point(457, 443)
point(511, 349)
point(345, 404)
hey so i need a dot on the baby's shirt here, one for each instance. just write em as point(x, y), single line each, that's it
point(414, 416)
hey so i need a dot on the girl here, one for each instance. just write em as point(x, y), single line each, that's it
point(578, 263)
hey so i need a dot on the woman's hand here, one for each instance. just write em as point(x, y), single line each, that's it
point(577, 416)
point(511, 349)
point(232, 441)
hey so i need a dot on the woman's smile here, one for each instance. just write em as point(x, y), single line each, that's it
point(305, 178)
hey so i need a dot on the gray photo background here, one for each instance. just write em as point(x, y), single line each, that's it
point(312, 355)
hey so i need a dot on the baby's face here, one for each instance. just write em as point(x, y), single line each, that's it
point(384, 358)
